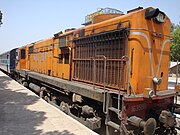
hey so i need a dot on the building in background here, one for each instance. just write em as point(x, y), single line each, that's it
point(173, 68)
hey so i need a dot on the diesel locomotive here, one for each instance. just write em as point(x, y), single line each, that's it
point(111, 73)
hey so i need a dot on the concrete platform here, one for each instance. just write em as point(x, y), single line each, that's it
point(24, 113)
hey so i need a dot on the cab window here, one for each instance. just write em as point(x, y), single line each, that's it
point(60, 59)
point(66, 58)
point(31, 49)
point(23, 54)
point(62, 42)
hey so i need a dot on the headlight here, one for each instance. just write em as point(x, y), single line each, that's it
point(155, 14)
point(157, 80)
point(160, 17)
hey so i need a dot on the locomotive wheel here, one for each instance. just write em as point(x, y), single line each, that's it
point(54, 100)
point(41, 94)
point(25, 84)
point(47, 99)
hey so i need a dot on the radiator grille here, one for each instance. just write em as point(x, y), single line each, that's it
point(89, 51)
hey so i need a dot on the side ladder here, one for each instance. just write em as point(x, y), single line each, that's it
point(114, 120)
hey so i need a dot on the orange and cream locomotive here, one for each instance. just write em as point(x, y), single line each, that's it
point(111, 72)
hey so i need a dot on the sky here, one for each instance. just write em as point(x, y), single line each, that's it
point(27, 21)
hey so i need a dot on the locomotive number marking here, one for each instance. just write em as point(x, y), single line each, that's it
point(139, 107)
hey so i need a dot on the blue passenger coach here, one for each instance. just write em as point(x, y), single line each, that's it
point(8, 61)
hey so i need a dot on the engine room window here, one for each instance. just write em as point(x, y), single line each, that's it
point(62, 42)
point(66, 58)
point(23, 54)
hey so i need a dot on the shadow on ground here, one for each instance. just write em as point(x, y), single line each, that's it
point(15, 118)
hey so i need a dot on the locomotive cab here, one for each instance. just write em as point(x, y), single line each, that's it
point(22, 61)
point(63, 54)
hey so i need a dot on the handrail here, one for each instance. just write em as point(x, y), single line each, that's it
point(120, 82)
point(105, 62)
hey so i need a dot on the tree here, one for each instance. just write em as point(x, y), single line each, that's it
point(175, 43)
point(0, 17)
point(172, 26)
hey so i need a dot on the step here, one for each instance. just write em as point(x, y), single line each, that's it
point(114, 110)
point(113, 125)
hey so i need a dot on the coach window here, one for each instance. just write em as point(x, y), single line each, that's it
point(23, 54)
point(7, 56)
point(66, 58)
